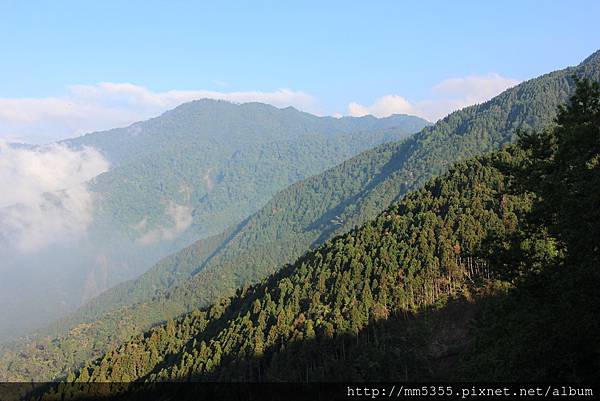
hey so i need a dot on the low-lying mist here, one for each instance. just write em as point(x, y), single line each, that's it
point(45, 211)
point(58, 251)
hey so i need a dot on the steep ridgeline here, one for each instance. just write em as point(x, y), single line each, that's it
point(185, 175)
point(300, 217)
point(496, 240)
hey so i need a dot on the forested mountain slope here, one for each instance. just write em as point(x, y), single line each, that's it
point(302, 216)
point(497, 239)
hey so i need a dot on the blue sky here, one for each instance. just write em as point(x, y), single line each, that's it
point(334, 54)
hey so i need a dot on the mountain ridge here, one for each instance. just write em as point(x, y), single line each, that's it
point(206, 106)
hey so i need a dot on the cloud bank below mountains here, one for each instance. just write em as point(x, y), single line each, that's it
point(44, 198)
point(447, 96)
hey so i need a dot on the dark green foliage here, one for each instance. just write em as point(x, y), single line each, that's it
point(548, 326)
point(564, 172)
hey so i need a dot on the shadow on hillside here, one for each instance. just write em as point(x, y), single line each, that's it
point(406, 348)
point(549, 335)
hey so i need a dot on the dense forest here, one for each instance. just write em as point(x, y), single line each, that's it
point(487, 272)
point(309, 213)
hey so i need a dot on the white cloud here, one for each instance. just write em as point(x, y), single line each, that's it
point(44, 198)
point(87, 108)
point(383, 107)
point(477, 87)
point(181, 218)
point(447, 96)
